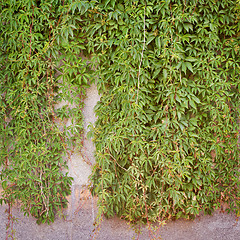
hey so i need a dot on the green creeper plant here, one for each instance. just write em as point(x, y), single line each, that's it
point(166, 133)
point(40, 66)
point(167, 128)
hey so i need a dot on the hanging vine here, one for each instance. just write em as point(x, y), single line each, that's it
point(166, 133)
point(41, 67)
point(174, 151)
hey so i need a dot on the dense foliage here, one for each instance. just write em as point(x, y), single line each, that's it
point(39, 41)
point(166, 134)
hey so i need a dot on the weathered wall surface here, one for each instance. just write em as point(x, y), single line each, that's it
point(80, 163)
point(82, 209)
point(220, 226)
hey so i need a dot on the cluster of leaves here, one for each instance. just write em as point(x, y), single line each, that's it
point(166, 134)
point(40, 66)
point(167, 131)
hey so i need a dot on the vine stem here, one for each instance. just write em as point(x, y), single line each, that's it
point(144, 42)
point(31, 38)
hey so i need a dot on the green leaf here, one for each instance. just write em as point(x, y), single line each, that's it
point(165, 74)
point(184, 67)
point(4, 185)
point(189, 66)
point(190, 59)
point(149, 39)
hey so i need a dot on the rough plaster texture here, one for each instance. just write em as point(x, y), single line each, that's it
point(82, 209)
point(89, 118)
point(219, 226)
point(80, 163)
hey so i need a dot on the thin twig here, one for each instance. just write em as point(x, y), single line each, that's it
point(119, 164)
point(144, 42)
point(30, 45)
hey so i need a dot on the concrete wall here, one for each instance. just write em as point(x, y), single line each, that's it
point(82, 209)
point(80, 163)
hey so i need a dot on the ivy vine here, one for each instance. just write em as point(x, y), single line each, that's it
point(40, 66)
point(167, 128)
